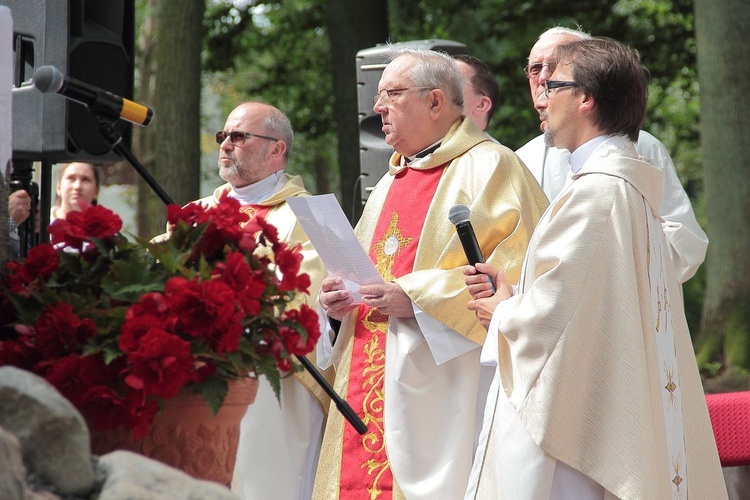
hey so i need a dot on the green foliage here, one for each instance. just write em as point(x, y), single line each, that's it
point(277, 52)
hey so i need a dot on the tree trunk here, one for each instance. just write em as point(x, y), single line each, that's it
point(725, 136)
point(143, 137)
point(176, 162)
point(352, 26)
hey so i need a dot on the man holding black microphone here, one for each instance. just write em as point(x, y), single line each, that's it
point(407, 356)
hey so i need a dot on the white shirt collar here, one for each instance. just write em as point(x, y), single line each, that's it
point(582, 153)
point(426, 151)
point(258, 191)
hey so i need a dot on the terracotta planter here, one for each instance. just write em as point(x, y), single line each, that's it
point(185, 436)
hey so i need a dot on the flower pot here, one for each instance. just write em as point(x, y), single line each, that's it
point(185, 436)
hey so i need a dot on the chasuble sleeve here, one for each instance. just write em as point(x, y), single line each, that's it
point(505, 202)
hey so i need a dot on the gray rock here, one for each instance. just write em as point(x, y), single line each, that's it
point(133, 477)
point(53, 435)
point(12, 471)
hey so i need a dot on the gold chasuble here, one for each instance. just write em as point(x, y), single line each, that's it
point(418, 382)
point(365, 467)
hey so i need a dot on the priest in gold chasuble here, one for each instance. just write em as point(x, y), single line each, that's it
point(407, 356)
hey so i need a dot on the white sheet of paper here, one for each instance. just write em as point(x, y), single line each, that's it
point(333, 238)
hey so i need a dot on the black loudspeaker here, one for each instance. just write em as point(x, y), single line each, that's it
point(88, 40)
point(373, 151)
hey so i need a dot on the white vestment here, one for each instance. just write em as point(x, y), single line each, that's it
point(597, 393)
point(687, 241)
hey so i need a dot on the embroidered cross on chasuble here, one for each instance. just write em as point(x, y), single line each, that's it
point(365, 468)
point(254, 211)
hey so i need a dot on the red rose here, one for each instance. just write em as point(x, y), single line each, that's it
point(226, 215)
point(284, 365)
point(235, 271)
point(293, 340)
point(228, 338)
point(106, 409)
point(59, 331)
point(41, 262)
point(18, 354)
point(74, 375)
point(152, 303)
point(96, 222)
point(269, 231)
point(103, 407)
point(191, 214)
point(289, 261)
point(63, 233)
point(12, 280)
point(247, 241)
point(198, 308)
point(248, 285)
point(134, 328)
point(161, 365)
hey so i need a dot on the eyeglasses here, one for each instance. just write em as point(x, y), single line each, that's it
point(551, 85)
point(387, 96)
point(238, 138)
point(533, 70)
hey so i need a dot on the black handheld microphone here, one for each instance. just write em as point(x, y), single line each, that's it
point(459, 216)
point(50, 79)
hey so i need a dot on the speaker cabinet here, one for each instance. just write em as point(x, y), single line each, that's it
point(88, 40)
point(373, 150)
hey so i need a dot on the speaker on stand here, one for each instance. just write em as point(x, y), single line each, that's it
point(89, 40)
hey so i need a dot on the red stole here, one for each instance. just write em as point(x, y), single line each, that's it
point(254, 211)
point(365, 468)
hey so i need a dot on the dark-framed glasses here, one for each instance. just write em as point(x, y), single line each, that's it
point(551, 85)
point(238, 138)
point(533, 70)
point(387, 96)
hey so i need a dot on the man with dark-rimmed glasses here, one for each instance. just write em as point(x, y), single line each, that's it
point(597, 394)
point(254, 149)
point(407, 354)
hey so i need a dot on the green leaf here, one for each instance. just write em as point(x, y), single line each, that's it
point(213, 390)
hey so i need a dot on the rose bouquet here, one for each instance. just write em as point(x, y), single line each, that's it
point(119, 326)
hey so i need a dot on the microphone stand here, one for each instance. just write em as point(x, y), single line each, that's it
point(114, 139)
point(344, 408)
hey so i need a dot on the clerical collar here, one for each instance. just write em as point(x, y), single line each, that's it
point(423, 153)
point(258, 191)
point(582, 153)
